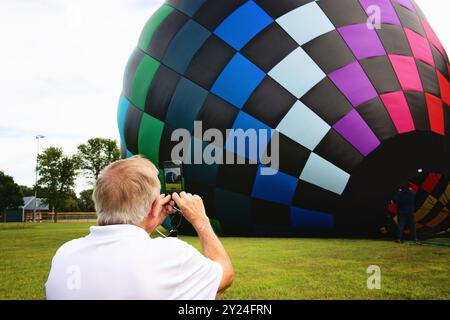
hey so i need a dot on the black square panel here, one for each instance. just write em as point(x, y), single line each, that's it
point(394, 40)
point(132, 66)
point(338, 151)
point(265, 213)
point(343, 12)
point(421, 197)
point(217, 114)
point(419, 12)
point(440, 62)
point(327, 102)
point(419, 179)
point(409, 19)
point(131, 128)
point(440, 187)
point(161, 91)
point(164, 34)
point(212, 13)
point(167, 145)
point(209, 61)
point(269, 47)
point(377, 117)
point(329, 51)
point(419, 111)
point(381, 74)
point(207, 194)
point(308, 196)
point(237, 177)
point(292, 156)
point(270, 102)
point(429, 78)
point(438, 207)
point(277, 8)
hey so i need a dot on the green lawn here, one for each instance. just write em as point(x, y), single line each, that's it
point(265, 268)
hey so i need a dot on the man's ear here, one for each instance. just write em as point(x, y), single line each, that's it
point(153, 213)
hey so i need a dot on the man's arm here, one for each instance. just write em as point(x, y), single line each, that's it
point(194, 211)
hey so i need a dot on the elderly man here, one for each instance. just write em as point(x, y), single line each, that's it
point(119, 260)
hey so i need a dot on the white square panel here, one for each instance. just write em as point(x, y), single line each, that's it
point(306, 23)
point(324, 174)
point(298, 73)
point(302, 125)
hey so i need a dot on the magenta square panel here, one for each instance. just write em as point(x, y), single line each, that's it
point(420, 47)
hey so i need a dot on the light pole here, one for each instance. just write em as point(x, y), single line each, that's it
point(38, 138)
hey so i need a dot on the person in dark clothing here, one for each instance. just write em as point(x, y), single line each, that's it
point(405, 200)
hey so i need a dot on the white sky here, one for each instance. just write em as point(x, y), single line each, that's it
point(61, 70)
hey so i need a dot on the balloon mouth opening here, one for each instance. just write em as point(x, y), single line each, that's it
point(431, 191)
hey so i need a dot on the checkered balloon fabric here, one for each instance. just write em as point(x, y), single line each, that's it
point(356, 91)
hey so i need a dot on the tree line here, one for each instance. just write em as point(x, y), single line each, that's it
point(57, 177)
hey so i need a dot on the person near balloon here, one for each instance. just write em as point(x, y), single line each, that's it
point(405, 200)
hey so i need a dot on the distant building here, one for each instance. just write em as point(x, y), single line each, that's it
point(25, 212)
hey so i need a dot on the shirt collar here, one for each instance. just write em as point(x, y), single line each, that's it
point(117, 231)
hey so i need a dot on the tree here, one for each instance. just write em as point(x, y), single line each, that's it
point(85, 202)
point(57, 176)
point(27, 191)
point(95, 155)
point(10, 193)
point(71, 203)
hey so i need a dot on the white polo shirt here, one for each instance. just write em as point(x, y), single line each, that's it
point(123, 262)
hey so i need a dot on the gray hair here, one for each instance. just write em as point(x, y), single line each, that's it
point(125, 190)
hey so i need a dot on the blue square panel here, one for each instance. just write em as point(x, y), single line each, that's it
point(303, 219)
point(324, 174)
point(302, 125)
point(243, 24)
point(250, 142)
point(185, 105)
point(121, 116)
point(306, 23)
point(238, 81)
point(279, 187)
point(184, 46)
point(298, 73)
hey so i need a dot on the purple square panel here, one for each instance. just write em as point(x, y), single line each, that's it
point(364, 42)
point(356, 131)
point(354, 84)
point(386, 10)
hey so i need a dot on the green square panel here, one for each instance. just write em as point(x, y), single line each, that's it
point(152, 24)
point(150, 133)
point(142, 81)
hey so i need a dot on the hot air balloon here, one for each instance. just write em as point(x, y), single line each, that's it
point(355, 92)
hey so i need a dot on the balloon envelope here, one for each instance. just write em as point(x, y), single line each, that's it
point(354, 92)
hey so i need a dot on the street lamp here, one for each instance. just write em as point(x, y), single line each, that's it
point(38, 138)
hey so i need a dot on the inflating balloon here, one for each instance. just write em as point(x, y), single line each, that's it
point(357, 90)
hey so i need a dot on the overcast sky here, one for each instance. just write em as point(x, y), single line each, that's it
point(61, 69)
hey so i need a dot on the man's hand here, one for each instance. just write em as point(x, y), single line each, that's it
point(164, 205)
point(192, 208)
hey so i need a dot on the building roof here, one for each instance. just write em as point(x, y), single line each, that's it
point(30, 203)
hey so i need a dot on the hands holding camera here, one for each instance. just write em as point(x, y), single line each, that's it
point(191, 207)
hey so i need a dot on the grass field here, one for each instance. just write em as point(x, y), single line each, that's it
point(265, 268)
